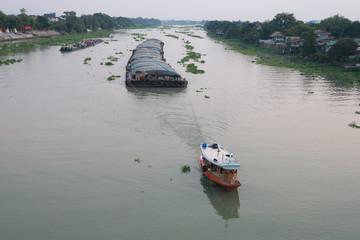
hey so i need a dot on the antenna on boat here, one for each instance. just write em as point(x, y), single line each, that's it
point(230, 154)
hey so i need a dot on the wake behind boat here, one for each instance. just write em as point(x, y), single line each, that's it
point(219, 165)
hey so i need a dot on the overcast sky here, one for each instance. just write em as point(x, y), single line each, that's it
point(250, 10)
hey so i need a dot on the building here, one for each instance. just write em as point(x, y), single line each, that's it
point(280, 41)
point(51, 16)
point(322, 35)
point(70, 13)
point(277, 41)
point(278, 37)
point(25, 29)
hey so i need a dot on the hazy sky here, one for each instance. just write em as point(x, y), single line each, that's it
point(250, 10)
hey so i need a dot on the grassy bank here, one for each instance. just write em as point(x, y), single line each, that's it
point(7, 48)
point(270, 57)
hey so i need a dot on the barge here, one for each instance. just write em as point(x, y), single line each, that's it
point(147, 67)
point(78, 46)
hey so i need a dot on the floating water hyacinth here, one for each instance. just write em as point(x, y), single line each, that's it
point(185, 169)
point(354, 125)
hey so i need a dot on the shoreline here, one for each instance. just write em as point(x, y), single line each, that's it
point(45, 38)
point(268, 57)
point(9, 37)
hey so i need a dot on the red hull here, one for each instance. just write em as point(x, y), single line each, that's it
point(229, 186)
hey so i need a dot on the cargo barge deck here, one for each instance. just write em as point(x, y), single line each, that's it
point(147, 67)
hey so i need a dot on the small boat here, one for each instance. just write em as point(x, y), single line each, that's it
point(219, 165)
point(81, 45)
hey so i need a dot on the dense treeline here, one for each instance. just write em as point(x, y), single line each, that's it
point(286, 23)
point(74, 24)
point(339, 27)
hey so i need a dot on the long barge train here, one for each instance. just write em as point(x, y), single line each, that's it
point(147, 67)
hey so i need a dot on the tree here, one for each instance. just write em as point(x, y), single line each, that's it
point(267, 29)
point(24, 20)
point(90, 22)
point(10, 22)
point(308, 48)
point(74, 24)
point(342, 49)
point(231, 32)
point(249, 34)
point(284, 21)
point(353, 30)
point(299, 30)
point(336, 25)
point(60, 26)
point(42, 23)
point(2, 18)
point(105, 21)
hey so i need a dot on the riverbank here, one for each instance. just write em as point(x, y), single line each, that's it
point(270, 57)
point(23, 36)
point(47, 39)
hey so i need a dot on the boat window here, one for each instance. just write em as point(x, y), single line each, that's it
point(215, 160)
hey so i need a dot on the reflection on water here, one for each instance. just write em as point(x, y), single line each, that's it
point(226, 203)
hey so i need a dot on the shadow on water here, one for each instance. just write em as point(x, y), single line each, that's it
point(225, 202)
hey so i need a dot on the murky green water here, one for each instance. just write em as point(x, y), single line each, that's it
point(69, 137)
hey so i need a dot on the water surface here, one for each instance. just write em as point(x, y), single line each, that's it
point(69, 139)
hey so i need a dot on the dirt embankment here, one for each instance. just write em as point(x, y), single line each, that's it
point(20, 36)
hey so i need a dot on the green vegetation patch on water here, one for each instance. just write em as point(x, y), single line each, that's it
point(189, 47)
point(195, 36)
point(185, 169)
point(191, 55)
point(192, 68)
point(113, 77)
point(173, 36)
point(86, 60)
point(113, 59)
point(354, 125)
point(183, 32)
point(10, 61)
point(139, 36)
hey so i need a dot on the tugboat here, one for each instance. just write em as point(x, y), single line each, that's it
point(219, 165)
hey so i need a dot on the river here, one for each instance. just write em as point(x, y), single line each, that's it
point(69, 139)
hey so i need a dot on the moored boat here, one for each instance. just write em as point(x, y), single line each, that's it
point(81, 45)
point(147, 67)
point(219, 165)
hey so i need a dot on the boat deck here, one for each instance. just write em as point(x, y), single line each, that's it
point(219, 156)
